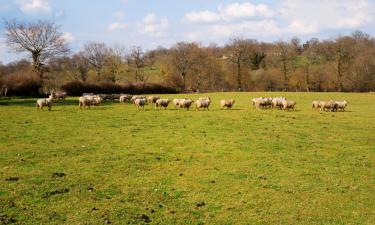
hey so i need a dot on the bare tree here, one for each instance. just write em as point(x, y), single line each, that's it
point(41, 39)
point(79, 66)
point(182, 59)
point(239, 56)
point(96, 54)
point(285, 56)
point(137, 61)
point(115, 62)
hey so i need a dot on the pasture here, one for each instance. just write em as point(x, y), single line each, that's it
point(115, 164)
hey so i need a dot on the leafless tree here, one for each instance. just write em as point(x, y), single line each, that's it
point(96, 54)
point(80, 66)
point(137, 62)
point(41, 39)
point(239, 52)
point(115, 62)
point(182, 59)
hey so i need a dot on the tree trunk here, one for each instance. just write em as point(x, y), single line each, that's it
point(239, 84)
point(37, 66)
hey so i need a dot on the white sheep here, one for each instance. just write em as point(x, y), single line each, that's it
point(40, 103)
point(227, 103)
point(262, 102)
point(125, 97)
point(185, 103)
point(278, 102)
point(152, 99)
point(162, 103)
point(140, 102)
point(135, 97)
point(60, 95)
point(176, 102)
point(203, 103)
point(327, 105)
point(288, 104)
point(316, 104)
point(340, 105)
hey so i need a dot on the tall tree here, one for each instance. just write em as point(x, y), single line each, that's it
point(96, 54)
point(239, 55)
point(79, 66)
point(137, 61)
point(285, 56)
point(182, 59)
point(41, 39)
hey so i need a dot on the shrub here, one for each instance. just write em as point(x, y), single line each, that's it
point(23, 86)
point(77, 88)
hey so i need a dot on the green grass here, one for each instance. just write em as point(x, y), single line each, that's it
point(240, 166)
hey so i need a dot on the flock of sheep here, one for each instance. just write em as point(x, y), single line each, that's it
point(89, 99)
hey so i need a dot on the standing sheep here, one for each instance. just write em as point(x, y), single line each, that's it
point(162, 103)
point(288, 104)
point(140, 102)
point(60, 95)
point(203, 103)
point(185, 103)
point(327, 105)
point(135, 97)
point(227, 103)
point(278, 102)
point(40, 103)
point(316, 104)
point(176, 102)
point(152, 99)
point(125, 97)
point(340, 105)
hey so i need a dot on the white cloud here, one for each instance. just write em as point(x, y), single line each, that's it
point(202, 16)
point(153, 25)
point(248, 28)
point(230, 12)
point(119, 14)
point(68, 37)
point(287, 19)
point(244, 10)
point(117, 26)
point(34, 5)
point(305, 17)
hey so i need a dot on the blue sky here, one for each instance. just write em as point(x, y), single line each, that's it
point(150, 23)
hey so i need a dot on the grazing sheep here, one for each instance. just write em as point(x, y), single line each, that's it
point(40, 103)
point(96, 100)
point(152, 99)
point(89, 100)
point(105, 97)
point(140, 102)
point(327, 105)
point(185, 103)
point(340, 105)
point(288, 104)
point(262, 103)
point(227, 103)
point(116, 97)
point(84, 102)
point(203, 103)
point(60, 95)
point(124, 98)
point(87, 94)
point(254, 100)
point(176, 102)
point(316, 104)
point(135, 97)
point(162, 103)
point(277, 102)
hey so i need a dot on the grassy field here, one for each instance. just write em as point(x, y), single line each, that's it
point(115, 164)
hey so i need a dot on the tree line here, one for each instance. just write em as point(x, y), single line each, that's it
point(345, 63)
